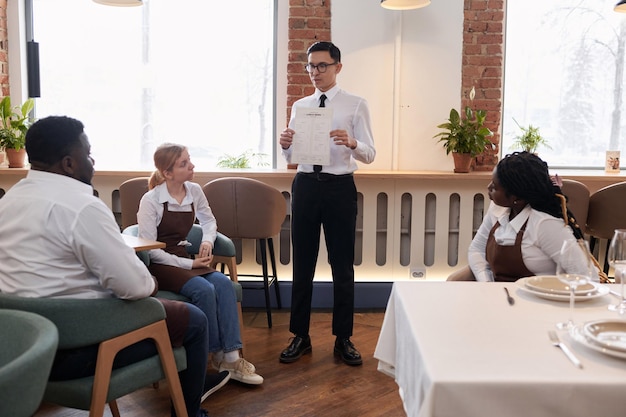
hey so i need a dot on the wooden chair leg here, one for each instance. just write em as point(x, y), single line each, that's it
point(104, 365)
point(162, 341)
point(115, 411)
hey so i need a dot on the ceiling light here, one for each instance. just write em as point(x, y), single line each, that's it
point(406, 4)
point(120, 3)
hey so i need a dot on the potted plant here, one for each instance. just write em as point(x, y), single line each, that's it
point(14, 124)
point(529, 140)
point(465, 136)
point(242, 161)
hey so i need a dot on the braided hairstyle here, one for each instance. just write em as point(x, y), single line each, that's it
point(526, 176)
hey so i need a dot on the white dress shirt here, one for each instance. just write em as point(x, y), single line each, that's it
point(541, 242)
point(350, 113)
point(151, 212)
point(58, 240)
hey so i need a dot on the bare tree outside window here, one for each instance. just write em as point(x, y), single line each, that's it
point(564, 73)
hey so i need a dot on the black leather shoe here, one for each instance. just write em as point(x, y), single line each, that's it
point(299, 346)
point(347, 352)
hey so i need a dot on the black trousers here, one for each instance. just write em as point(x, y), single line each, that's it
point(328, 201)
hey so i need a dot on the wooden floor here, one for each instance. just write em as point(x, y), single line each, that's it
point(317, 385)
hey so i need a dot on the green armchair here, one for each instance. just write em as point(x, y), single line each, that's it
point(28, 343)
point(113, 324)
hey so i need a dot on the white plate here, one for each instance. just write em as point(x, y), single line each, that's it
point(610, 334)
point(552, 285)
point(579, 337)
point(601, 291)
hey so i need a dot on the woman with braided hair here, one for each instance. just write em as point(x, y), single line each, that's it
point(523, 231)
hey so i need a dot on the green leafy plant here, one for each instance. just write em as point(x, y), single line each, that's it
point(529, 140)
point(14, 123)
point(465, 135)
point(243, 160)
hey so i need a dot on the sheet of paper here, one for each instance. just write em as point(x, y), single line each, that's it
point(311, 142)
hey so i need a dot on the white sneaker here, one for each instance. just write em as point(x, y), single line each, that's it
point(215, 364)
point(243, 371)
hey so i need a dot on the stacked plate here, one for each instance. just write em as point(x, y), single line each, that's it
point(551, 288)
point(605, 336)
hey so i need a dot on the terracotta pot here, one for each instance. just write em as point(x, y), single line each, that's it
point(16, 158)
point(462, 162)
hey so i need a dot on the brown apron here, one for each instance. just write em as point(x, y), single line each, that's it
point(174, 228)
point(506, 262)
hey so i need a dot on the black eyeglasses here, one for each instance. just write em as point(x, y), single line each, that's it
point(321, 67)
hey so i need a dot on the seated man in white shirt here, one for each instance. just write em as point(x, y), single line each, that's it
point(60, 241)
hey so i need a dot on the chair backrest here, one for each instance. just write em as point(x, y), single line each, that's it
point(246, 208)
point(84, 322)
point(607, 211)
point(131, 192)
point(577, 195)
point(28, 343)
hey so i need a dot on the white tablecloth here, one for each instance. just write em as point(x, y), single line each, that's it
point(458, 349)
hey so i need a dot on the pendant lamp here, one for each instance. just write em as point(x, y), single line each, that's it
point(120, 3)
point(406, 4)
point(620, 6)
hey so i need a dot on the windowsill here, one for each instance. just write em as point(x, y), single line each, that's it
point(575, 174)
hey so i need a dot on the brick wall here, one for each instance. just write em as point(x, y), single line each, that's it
point(4, 61)
point(309, 21)
point(483, 65)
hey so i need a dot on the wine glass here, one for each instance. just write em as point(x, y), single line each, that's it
point(573, 268)
point(617, 259)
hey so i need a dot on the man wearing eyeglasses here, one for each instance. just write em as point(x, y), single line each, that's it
point(325, 196)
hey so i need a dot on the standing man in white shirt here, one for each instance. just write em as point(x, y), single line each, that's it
point(325, 196)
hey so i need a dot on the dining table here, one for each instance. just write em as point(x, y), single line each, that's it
point(461, 349)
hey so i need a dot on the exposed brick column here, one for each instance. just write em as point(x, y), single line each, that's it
point(309, 21)
point(4, 50)
point(483, 66)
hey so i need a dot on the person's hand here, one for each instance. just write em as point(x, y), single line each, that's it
point(202, 261)
point(341, 137)
point(556, 180)
point(286, 138)
point(206, 249)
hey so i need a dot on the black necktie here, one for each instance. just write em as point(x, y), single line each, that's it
point(318, 168)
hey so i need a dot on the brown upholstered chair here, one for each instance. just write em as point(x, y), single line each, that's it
point(131, 192)
point(607, 212)
point(249, 209)
point(577, 195)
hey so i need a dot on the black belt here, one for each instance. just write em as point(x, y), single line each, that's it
point(323, 176)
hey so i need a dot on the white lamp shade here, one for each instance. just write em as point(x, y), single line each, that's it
point(620, 6)
point(404, 4)
point(120, 3)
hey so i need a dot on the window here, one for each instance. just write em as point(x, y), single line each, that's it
point(195, 72)
point(564, 73)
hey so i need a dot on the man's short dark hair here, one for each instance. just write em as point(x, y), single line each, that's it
point(335, 53)
point(49, 139)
